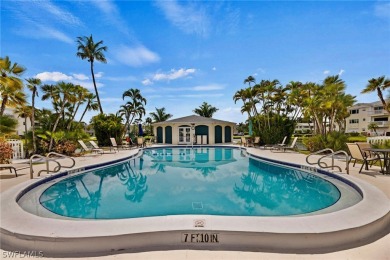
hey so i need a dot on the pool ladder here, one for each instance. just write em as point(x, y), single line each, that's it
point(47, 159)
point(332, 154)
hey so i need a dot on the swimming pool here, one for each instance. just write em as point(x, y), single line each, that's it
point(356, 218)
point(185, 181)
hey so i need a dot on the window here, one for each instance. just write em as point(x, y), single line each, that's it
point(378, 119)
point(364, 119)
point(354, 121)
point(354, 111)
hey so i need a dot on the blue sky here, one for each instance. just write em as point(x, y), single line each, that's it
point(182, 53)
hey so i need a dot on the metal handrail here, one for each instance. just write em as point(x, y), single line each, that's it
point(62, 156)
point(318, 152)
point(46, 160)
point(324, 165)
point(335, 166)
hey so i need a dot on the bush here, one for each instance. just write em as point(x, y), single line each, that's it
point(65, 147)
point(107, 126)
point(6, 152)
point(334, 140)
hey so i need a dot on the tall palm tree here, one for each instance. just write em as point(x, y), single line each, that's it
point(134, 107)
point(33, 84)
point(160, 115)
point(80, 93)
point(378, 85)
point(88, 49)
point(205, 110)
point(11, 86)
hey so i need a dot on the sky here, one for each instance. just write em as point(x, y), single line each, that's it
point(183, 53)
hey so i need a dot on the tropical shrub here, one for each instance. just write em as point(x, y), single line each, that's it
point(334, 140)
point(107, 126)
point(7, 124)
point(65, 147)
point(6, 152)
point(273, 128)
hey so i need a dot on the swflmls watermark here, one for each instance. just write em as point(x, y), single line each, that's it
point(22, 254)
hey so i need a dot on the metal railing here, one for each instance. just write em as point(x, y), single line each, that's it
point(332, 155)
point(47, 159)
point(51, 154)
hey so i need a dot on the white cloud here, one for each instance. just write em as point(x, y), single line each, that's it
point(206, 95)
point(208, 87)
point(173, 74)
point(136, 56)
point(77, 79)
point(232, 114)
point(53, 76)
point(188, 17)
point(214, 69)
point(341, 72)
point(326, 72)
point(59, 14)
point(99, 75)
point(382, 10)
point(147, 82)
point(81, 76)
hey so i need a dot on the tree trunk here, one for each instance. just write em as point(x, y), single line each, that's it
point(5, 100)
point(97, 94)
point(380, 95)
point(52, 132)
point(33, 123)
point(73, 116)
point(85, 110)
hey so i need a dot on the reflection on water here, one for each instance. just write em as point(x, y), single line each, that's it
point(218, 181)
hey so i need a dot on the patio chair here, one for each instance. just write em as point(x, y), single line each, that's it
point(357, 155)
point(15, 166)
point(86, 149)
point(363, 146)
point(271, 146)
point(293, 146)
point(256, 141)
point(244, 142)
point(140, 141)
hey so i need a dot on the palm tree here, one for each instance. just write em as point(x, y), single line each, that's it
point(373, 126)
point(80, 93)
point(205, 110)
point(88, 49)
point(91, 105)
point(160, 115)
point(60, 95)
point(33, 84)
point(378, 85)
point(11, 86)
point(134, 107)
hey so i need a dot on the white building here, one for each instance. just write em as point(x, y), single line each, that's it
point(362, 114)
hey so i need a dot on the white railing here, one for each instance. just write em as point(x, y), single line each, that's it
point(17, 148)
point(378, 139)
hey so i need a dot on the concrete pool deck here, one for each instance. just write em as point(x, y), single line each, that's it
point(378, 249)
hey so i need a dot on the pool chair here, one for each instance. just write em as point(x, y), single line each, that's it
point(358, 155)
point(283, 148)
point(86, 149)
point(15, 166)
point(140, 141)
point(244, 142)
point(283, 143)
point(114, 145)
point(256, 141)
point(95, 146)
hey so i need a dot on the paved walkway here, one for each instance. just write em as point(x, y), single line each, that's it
point(379, 249)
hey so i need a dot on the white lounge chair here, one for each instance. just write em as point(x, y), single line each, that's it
point(85, 148)
point(293, 146)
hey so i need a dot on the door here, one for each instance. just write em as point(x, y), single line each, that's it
point(184, 135)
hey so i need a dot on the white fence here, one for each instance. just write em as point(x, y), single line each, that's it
point(378, 139)
point(17, 148)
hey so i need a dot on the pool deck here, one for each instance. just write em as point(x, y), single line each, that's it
point(378, 249)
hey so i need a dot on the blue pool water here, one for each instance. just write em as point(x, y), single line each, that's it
point(174, 181)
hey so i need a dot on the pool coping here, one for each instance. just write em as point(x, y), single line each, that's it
point(360, 223)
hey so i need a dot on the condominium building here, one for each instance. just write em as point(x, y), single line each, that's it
point(362, 114)
point(21, 127)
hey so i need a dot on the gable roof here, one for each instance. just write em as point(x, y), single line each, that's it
point(195, 119)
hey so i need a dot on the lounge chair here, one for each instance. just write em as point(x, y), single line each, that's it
point(86, 149)
point(114, 145)
point(358, 155)
point(15, 166)
point(293, 146)
point(283, 143)
point(95, 146)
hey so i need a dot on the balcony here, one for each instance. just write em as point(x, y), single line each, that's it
point(381, 123)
